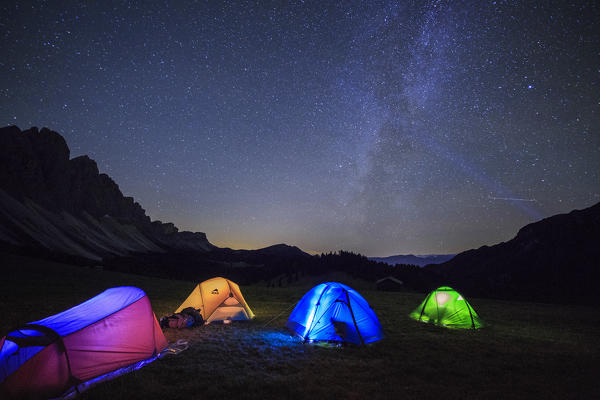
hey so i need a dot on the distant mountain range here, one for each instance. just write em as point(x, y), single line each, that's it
point(54, 206)
point(411, 259)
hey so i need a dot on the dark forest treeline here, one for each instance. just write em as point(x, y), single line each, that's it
point(250, 267)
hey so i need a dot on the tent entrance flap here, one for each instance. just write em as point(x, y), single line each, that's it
point(229, 313)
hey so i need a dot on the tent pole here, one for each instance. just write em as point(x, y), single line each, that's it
point(199, 286)
point(309, 328)
point(353, 319)
point(470, 313)
point(437, 308)
point(424, 304)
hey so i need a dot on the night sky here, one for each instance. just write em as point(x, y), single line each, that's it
point(379, 127)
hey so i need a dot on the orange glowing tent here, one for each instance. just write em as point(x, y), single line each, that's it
point(218, 299)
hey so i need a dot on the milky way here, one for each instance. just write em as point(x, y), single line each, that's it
point(378, 127)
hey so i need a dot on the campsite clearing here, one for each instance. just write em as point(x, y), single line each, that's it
point(525, 351)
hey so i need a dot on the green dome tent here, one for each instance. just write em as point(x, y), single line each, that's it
point(446, 307)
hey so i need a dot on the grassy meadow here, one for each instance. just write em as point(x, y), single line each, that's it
point(527, 350)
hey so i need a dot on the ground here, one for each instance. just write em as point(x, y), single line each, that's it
point(527, 350)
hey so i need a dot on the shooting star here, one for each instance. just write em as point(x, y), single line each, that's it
point(512, 199)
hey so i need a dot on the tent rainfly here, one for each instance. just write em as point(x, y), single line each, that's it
point(334, 312)
point(218, 299)
point(110, 334)
point(446, 307)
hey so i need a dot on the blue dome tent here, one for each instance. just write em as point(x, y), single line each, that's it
point(334, 312)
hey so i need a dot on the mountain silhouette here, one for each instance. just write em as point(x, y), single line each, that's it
point(53, 205)
point(555, 259)
point(64, 205)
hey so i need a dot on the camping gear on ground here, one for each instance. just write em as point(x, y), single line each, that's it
point(336, 313)
point(175, 348)
point(110, 334)
point(187, 318)
point(446, 307)
point(218, 300)
point(177, 321)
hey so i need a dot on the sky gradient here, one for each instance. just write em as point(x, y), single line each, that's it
point(380, 127)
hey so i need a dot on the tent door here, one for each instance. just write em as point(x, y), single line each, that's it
point(234, 313)
point(230, 309)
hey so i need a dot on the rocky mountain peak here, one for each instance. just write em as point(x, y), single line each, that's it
point(35, 166)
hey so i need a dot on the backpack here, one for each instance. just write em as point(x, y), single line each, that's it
point(177, 321)
point(187, 318)
point(195, 314)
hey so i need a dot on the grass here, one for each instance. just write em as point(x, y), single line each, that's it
point(526, 351)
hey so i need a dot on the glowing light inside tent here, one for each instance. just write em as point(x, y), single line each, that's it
point(442, 298)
